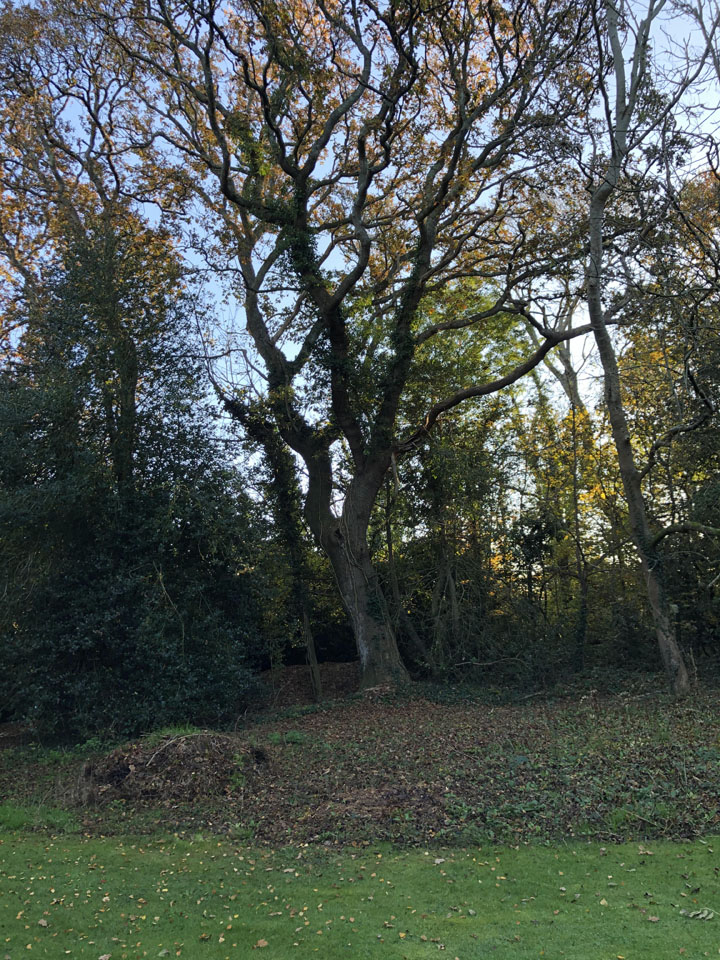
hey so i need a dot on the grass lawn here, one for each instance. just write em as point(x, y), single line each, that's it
point(102, 897)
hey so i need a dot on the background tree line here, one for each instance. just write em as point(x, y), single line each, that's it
point(419, 210)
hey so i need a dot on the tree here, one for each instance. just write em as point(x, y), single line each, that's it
point(641, 128)
point(371, 180)
point(670, 367)
point(362, 162)
point(122, 553)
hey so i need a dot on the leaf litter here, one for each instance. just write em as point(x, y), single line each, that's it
point(411, 770)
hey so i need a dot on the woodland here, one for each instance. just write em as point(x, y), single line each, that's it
point(346, 330)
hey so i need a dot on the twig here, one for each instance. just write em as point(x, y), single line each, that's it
point(487, 663)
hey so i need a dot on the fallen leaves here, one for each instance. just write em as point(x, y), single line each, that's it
point(560, 773)
point(705, 914)
point(412, 905)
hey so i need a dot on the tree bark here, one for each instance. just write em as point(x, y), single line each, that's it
point(312, 660)
point(344, 540)
point(366, 607)
point(649, 558)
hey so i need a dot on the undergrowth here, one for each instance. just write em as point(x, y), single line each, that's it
point(410, 770)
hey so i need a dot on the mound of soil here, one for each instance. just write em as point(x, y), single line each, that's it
point(177, 770)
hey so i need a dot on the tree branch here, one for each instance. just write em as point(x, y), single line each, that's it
point(485, 389)
point(687, 526)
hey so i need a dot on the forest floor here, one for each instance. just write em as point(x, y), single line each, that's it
point(427, 766)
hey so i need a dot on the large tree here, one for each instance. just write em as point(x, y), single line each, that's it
point(369, 179)
point(377, 173)
point(122, 525)
point(639, 148)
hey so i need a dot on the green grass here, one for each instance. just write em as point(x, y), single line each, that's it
point(205, 898)
point(37, 817)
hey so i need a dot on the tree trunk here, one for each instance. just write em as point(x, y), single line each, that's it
point(311, 655)
point(454, 608)
point(581, 625)
point(344, 540)
point(637, 512)
point(632, 480)
point(626, 103)
point(365, 604)
point(672, 658)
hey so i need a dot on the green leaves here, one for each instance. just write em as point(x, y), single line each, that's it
point(123, 531)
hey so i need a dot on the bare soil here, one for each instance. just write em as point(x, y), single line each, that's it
point(292, 686)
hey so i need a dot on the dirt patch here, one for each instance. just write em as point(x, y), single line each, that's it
point(13, 735)
point(292, 686)
point(176, 770)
